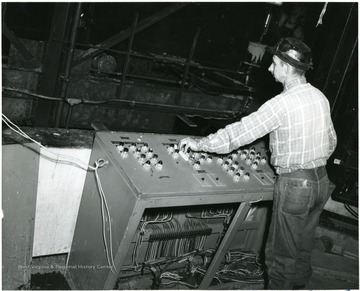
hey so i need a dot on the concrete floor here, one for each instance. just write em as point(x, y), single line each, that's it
point(334, 268)
point(334, 271)
point(331, 272)
point(319, 282)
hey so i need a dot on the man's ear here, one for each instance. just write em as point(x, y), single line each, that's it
point(287, 68)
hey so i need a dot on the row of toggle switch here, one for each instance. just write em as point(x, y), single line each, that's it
point(229, 163)
point(249, 156)
point(143, 154)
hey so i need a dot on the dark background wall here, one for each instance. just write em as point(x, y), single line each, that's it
point(186, 59)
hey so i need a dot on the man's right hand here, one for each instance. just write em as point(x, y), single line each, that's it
point(188, 143)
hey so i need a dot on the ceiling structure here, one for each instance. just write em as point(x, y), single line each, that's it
point(159, 61)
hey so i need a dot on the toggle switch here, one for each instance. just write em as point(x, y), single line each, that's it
point(170, 149)
point(154, 159)
point(149, 154)
point(247, 177)
point(120, 147)
point(236, 177)
point(229, 160)
point(159, 166)
point(235, 165)
point(137, 153)
point(125, 153)
point(241, 171)
point(132, 147)
point(197, 165)
point(144, 148)
point(147, 166)
point(231, 171)
point(197, 156)
point(254, 166)
point(243, 156)
point(142, 159)
point(225, 165)
point(175, 154)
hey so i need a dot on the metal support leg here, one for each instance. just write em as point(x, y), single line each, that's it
point(224, 245)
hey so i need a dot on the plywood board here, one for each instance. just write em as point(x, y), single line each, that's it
point(60, 189)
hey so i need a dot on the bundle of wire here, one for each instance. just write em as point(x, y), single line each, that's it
point(167, 238)
point(249, 271)
point(48, 154)
point(351, 211)
point(160, 218)
point(225, 213)
point(240, 266)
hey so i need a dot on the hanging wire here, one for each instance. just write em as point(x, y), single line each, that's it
point(61, 158)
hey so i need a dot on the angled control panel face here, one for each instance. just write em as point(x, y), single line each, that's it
point(154, 165)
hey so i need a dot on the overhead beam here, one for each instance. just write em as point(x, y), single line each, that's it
point(127, 56)
point(68, 64)
point(16, 42)
point(187, 65)
point(117, 38)
point(44, 109)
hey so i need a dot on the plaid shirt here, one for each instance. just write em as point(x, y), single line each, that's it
point(302, 134)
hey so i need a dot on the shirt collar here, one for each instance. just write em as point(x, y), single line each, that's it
point(295, 81)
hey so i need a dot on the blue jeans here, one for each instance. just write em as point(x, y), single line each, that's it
point(299, 199)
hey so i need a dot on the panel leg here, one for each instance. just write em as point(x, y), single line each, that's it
point(225, 244)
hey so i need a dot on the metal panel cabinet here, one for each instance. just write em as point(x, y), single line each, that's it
point(133, 183)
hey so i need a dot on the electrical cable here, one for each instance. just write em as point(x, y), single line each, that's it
point(152, 248)
point(32, 94)
point(179, 283)
point(244, 274)
point(75, 101)
point(74, 161)
point(65, 158)
point(110, 257)
point(351, 211)
point(161, 249)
